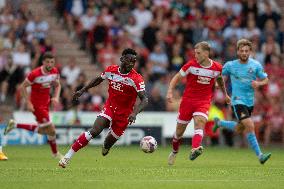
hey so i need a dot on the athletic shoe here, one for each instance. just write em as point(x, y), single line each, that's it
point(216, 126)
point(3, 156)
point(104, 151)
point(172, 158)
point(195, 152)
point(264, 157)
point(10, 126)
point(63, 162)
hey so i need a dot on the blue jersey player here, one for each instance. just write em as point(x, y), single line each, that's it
point(246, 75)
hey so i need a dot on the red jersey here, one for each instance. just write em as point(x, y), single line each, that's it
point(123, 89)
point(41, 83)
point(200, 80)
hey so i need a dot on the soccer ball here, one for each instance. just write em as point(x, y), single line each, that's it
point(148, 144)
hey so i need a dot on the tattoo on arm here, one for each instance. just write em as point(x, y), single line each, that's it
point(221, 84)
point(144, 102)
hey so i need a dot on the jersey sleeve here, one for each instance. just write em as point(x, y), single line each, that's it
point(57, 74)
point(220, 68)
point(139, 84)
point(31, 77)
point(260, 73)
point(105, 73)
point(226, 69)
point(185, 69)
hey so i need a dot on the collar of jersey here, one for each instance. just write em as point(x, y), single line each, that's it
point(211, 63)
point(122, 73)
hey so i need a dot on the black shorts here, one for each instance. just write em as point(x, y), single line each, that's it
point(242, 111)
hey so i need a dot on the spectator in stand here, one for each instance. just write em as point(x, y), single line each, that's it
point(269, 47)
point(142, 15)
point(159, 60)
point(6, 20)
point(156, 101)
point(133, 30)
point(107, 56)
point(73, 10)
point(87, 22)
point(269, 13)
point(233, 30)
point(71, 71)
point(251, 30)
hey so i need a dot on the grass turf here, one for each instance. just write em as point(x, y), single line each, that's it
point(128, 167)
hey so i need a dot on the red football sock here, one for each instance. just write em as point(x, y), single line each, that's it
point(53, 146)
point(176, 143)
point(81, 141)
point(197, 138)
point(29, 127)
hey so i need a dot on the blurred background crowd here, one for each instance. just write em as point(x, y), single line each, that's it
point(163, 32)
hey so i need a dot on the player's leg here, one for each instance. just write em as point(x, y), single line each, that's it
point(231, 125)
point(250, 135)
point(176, 141)
point(110, 140)
point(12, 125)
point(100, 124)
point(42, 118)
point(200, 120)
point(116, 130)
point(252, 140)
point(2, 155)
point(50, 131)
point(184, 117)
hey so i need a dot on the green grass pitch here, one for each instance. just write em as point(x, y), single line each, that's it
point(128, 167)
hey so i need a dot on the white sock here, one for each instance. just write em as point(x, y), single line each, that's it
point(70, 153)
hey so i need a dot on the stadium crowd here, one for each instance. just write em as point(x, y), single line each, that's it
point(163, 32)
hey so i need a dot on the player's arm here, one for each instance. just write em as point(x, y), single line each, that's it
point(221, 84)
point(138, 108)
point(25, 95)
point(55, 98)
point(175, 80)
point(256, 84)
point(96, 81)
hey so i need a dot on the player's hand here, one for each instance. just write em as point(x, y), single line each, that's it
point(54, 101)
point(30, 106)
point(76, 95)
point(170, 96)
point(228, 99)
point(255, 84)
point(132, 118)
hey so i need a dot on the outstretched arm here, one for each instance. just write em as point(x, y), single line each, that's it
point(25, 95)
point(91, 84)
point(55, 98)
point(137, 109)
point(176, 79)
point(221, 84)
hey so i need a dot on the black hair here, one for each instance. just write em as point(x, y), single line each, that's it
point(129, 51)
point(47, 55)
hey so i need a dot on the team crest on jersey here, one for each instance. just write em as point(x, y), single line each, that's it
point(250, 70)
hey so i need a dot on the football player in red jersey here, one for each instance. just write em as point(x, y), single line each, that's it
point(200, 74)
point(41, 80)
point(125, 84)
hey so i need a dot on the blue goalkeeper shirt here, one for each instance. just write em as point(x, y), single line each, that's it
point(241, 76)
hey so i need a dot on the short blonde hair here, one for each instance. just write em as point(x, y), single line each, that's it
point(203, 45)
point(244, 42)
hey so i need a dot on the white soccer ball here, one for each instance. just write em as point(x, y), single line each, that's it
point(148, 144)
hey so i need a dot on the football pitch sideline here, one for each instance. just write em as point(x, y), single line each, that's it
point(128, 167)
